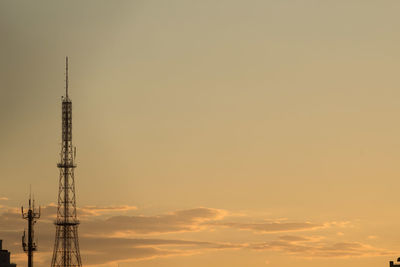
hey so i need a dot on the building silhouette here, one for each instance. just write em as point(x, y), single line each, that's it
point(5, 257)
point(392, 264)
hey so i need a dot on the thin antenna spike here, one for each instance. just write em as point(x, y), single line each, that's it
point(66, 77)
point(30, 195)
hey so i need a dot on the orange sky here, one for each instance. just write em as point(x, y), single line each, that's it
point(208, 133)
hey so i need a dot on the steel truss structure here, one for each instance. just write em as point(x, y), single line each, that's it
point(66, 247)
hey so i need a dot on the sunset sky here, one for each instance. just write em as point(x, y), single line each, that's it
point(209, 133)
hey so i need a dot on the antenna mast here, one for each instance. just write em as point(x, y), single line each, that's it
point(31, 216)
point(66, 77)
point(66, 246)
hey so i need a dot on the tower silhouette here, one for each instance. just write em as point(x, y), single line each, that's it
point(30, 246)
point(66, 246)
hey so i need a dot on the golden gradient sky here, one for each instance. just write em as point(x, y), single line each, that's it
point(208, 133)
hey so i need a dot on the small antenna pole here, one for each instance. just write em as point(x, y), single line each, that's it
point(66, 77)
point(29, 246)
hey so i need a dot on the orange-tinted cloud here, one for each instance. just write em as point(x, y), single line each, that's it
point(271, 227)
point(178, 221)
point(100, 210)
point(309, 247)
point(113, 238)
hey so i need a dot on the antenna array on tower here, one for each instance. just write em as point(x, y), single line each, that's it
point(66, 246)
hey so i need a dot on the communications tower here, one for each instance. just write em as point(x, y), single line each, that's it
point(30, 246)
point(66, 246)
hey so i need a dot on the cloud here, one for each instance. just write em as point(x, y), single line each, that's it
point(98, 233)
point(292, 238)
point(96, 224)
point(49, 212)
point(178, 221)
point(342, 224)
point(99, 210)
point(126, 249)
point(309, 247)
point(98, 250)
point(272, 227)
point(107, 236)
point(11, 219)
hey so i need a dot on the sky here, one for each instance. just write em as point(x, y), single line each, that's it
point(208, 133)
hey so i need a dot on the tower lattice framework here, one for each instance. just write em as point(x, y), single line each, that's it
point(66, 247)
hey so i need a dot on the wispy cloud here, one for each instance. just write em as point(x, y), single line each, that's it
point(309, 247)
point(101, 210)
point(271, 227)
point(109, 235)
point(178, 221)
point(125, 249)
